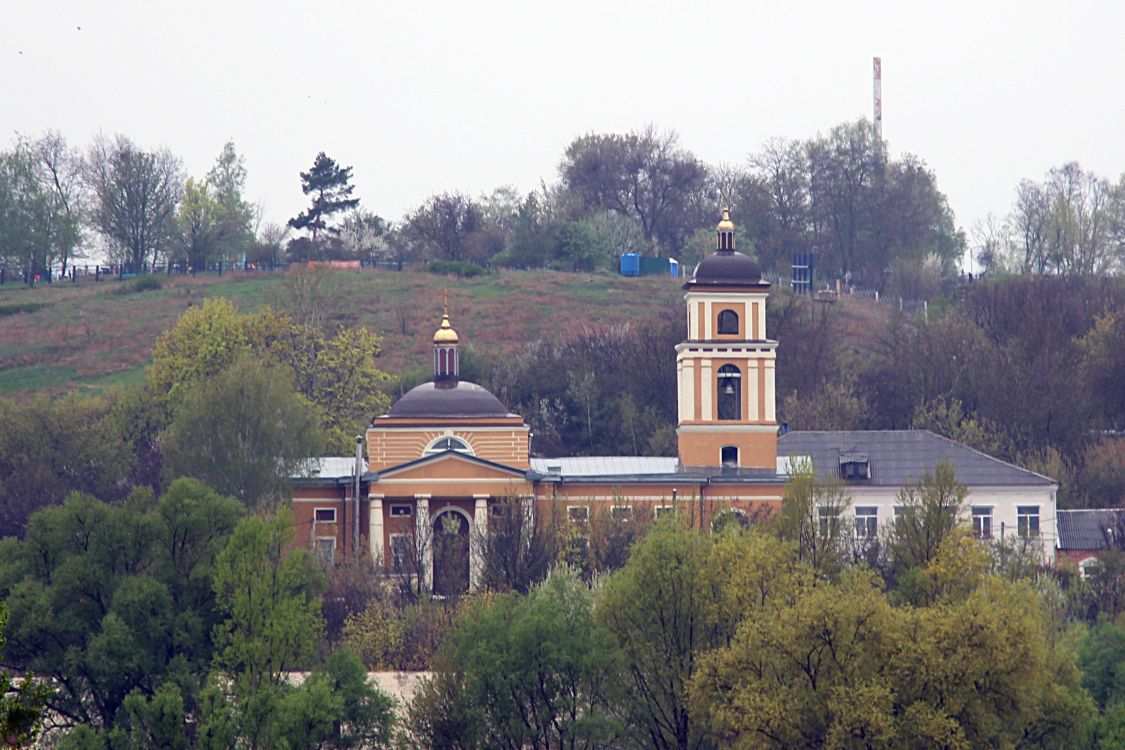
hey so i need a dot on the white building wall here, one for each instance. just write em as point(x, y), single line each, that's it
point(1003, 500)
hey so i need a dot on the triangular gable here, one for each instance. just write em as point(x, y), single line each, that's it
point(451, 465)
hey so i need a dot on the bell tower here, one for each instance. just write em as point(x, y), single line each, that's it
point(725, 368)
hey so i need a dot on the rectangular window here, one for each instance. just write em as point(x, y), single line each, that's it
point(664, 510)
point(1027, 520)
point(401, 510)
point(982, 522)
point(621, 512)
point(401, 553)
point(578, 513)
point(325, 515)
point(829, 520)
point(500, 510)
point(326, 551)
point(866, 522)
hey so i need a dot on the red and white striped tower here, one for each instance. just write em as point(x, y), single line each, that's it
point(878, 96)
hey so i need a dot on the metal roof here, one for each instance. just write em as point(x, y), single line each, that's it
point(898, 457)
point(605, 466)
point(1090, 529)
point(329, 467)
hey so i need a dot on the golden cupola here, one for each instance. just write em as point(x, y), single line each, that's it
point(446, 358)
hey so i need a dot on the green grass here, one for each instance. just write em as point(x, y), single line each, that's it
point(91, 338)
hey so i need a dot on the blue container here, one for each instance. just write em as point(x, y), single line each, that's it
point(630, 264)
point(674, 268)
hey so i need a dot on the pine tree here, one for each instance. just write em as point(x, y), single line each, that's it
point(330, 186)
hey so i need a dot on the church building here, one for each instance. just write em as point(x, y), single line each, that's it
point(441, 460)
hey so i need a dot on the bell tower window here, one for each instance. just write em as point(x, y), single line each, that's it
point(728, 322)
point(730, 392)
point(729, 456)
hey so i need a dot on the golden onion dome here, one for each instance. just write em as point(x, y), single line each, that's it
point(726, 225)
point(445, 334)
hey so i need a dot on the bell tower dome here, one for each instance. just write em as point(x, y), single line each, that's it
point(725, 368)
point(446, 361)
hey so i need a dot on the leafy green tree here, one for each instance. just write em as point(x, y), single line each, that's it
point(268, 594)
point(931, 508)
point(50, 447)
point(330, 187)
point(450, 225)
point(1101, 657)
point(645, 176)
point(235, 218)
point(206, 340)
point(25, 240)
point(658, 608)
point(812, 518)
point(833, 664)
point(527, 672)
point(105, 600)
point(197, 224)
point(21, 706)
point(244, 431)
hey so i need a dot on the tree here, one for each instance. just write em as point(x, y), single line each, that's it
point(516, 548)
point(658, 607)
point(644, 175)
point(25, 239)
point(448, 224)
point(60, 173)
point(106, 599)
point(243, 431)
point(227, 181)
point(21, 706)
point(364, 236)
point(525, 672)
point(834, 664)
point(206, 340)
point(330, 187)
point(135, 197)
point(267, 593)
point(197, 223)
point(812, 518)
point(50, 447)
point(931, 508)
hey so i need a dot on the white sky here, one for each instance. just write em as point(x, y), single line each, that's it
point(432, 96)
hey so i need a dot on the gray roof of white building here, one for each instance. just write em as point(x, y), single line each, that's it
point(898, 457)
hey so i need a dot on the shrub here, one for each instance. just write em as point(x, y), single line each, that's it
point(460, 268)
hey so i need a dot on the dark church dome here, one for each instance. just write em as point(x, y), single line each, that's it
point(453, 398)
point(727, 267)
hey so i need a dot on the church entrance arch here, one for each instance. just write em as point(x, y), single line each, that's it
point(451, 552)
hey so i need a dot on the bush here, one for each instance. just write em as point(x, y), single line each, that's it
point(460, 268)
point(146, 283)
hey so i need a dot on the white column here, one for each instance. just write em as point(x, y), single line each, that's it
point(375, 530)
point(762, 320)
point(476, 539)
point(423, 531)
point(752, 390)
point(707, 386)
point(707, 332)
point(770, 395)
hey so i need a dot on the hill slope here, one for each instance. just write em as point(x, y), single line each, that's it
point(92, 337)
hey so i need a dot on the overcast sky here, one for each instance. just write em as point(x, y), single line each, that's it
point(431, 96)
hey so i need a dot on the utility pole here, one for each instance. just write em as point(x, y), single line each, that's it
point(877, 96)
point(355, 494)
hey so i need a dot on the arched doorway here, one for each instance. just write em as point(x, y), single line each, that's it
point(451, 553)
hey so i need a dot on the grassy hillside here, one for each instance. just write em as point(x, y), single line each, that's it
point(91, 336)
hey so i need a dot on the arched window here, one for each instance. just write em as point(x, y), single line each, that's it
point(728, 321)
point(443, 444)
point(729, 384)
